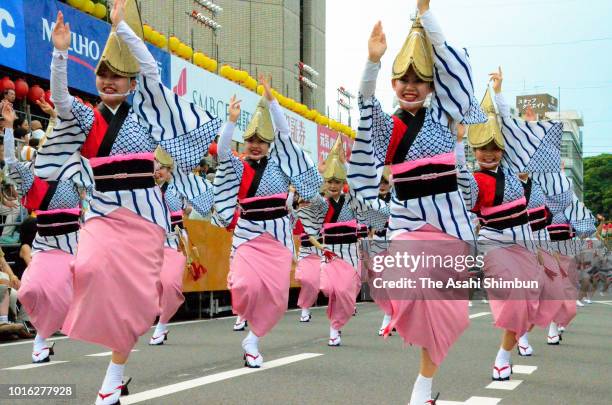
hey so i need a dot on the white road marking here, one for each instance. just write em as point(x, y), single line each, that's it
point(482, 401)
point(518, 369)
point(439, 402)
point(604, 302)
point(209, 379)
point(504, 385)
point(104, 354)
point(30, 341)
point(32, 365)
point(479, 314)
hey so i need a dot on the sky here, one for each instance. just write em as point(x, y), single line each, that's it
point(560, 47)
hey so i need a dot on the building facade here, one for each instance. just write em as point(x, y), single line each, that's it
point(269, 36)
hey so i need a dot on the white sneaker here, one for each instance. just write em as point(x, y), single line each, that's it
point(253, 360)
point(470, 304)
point(305, 318)
point(485, 301)
point(42, 356)
point(159, 339)
point(334, 341)
point(502, 373)
point(239, 326)
point(579, 303)
point(525, 351)
point(587, 301)
point(553, 340)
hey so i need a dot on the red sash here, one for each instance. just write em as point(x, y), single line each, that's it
point(96, 136)
point(399, 129)
point(33, 199)
point(248, 174)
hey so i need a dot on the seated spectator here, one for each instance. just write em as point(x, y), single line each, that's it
point(9, 284)
point(37, 130)
point(21, 133)
point(28, 153)
point(10, 209)
point(9, 95)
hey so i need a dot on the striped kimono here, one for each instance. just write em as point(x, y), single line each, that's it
point(120, 253)
point(425, 215)
point(262, 250)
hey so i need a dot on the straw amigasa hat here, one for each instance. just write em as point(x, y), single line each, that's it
point(116, 55)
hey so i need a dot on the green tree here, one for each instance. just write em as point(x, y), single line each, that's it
point(598, 184)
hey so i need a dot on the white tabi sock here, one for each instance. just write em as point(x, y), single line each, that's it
point(552, 330)
point(503, 357)
point(39, 343)
point(250, 344)
point(524, 340)
point(386, 321)
point(305, 312)
point(160, 329)
point(113, 378)
point(421, 391)
point(333, 333)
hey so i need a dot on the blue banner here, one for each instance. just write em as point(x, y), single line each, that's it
point(89, 36)
point(12, 35)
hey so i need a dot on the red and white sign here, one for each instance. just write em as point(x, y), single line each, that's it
point(327, 138)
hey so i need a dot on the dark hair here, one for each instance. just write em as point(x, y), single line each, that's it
point(20, 133)
point(18, 123)
point(6, 91)
point(34, 142)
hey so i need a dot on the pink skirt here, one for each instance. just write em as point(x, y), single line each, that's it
point(419, 317)
point(46, 290)
point(308, 273)
point(172, 283)
point(552, 292)
point(517, 310)
point(116, 280)
point(340, 283)
point(379, 295)
point(567, 312)
point(259, 282)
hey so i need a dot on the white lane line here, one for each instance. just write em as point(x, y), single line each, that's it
point(482, 401)
point(504, 385)
point(209, 379)
point(30, 366)
point(104, 354)
point(479, 314)
point(604, 302)
point(30, 341)
point(518, 369)
point(439, 402)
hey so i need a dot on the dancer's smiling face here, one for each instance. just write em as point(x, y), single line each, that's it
point(411, 91)
point(334, 188)
point(255, 148)
point(489, 156)
point(383, 187)
point(112, 87)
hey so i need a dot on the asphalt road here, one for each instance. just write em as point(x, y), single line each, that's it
point(201, 363)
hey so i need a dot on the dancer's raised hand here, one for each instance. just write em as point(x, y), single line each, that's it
point(234, 109)
point(497, 78)
point(423, 6)
point(118, 12)
point(265, 82)
point(377, 44)
point(61, 33)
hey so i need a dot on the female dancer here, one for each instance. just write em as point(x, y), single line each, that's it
point(45, 295)
point(262, 248)
point(120, 254)
point(178, 189)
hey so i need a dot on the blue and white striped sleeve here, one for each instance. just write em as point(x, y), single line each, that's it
point(60, 156)
point(468, 186)
point(454, 87)
point(552, 183)
point(195, 189)
point(580, 217)
point(291, 159)
point(313, 215)
point(365, 166)
point(227, 178)
point(523, 140)
point(375, 215)
point(183, 129)
point(21, 174)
